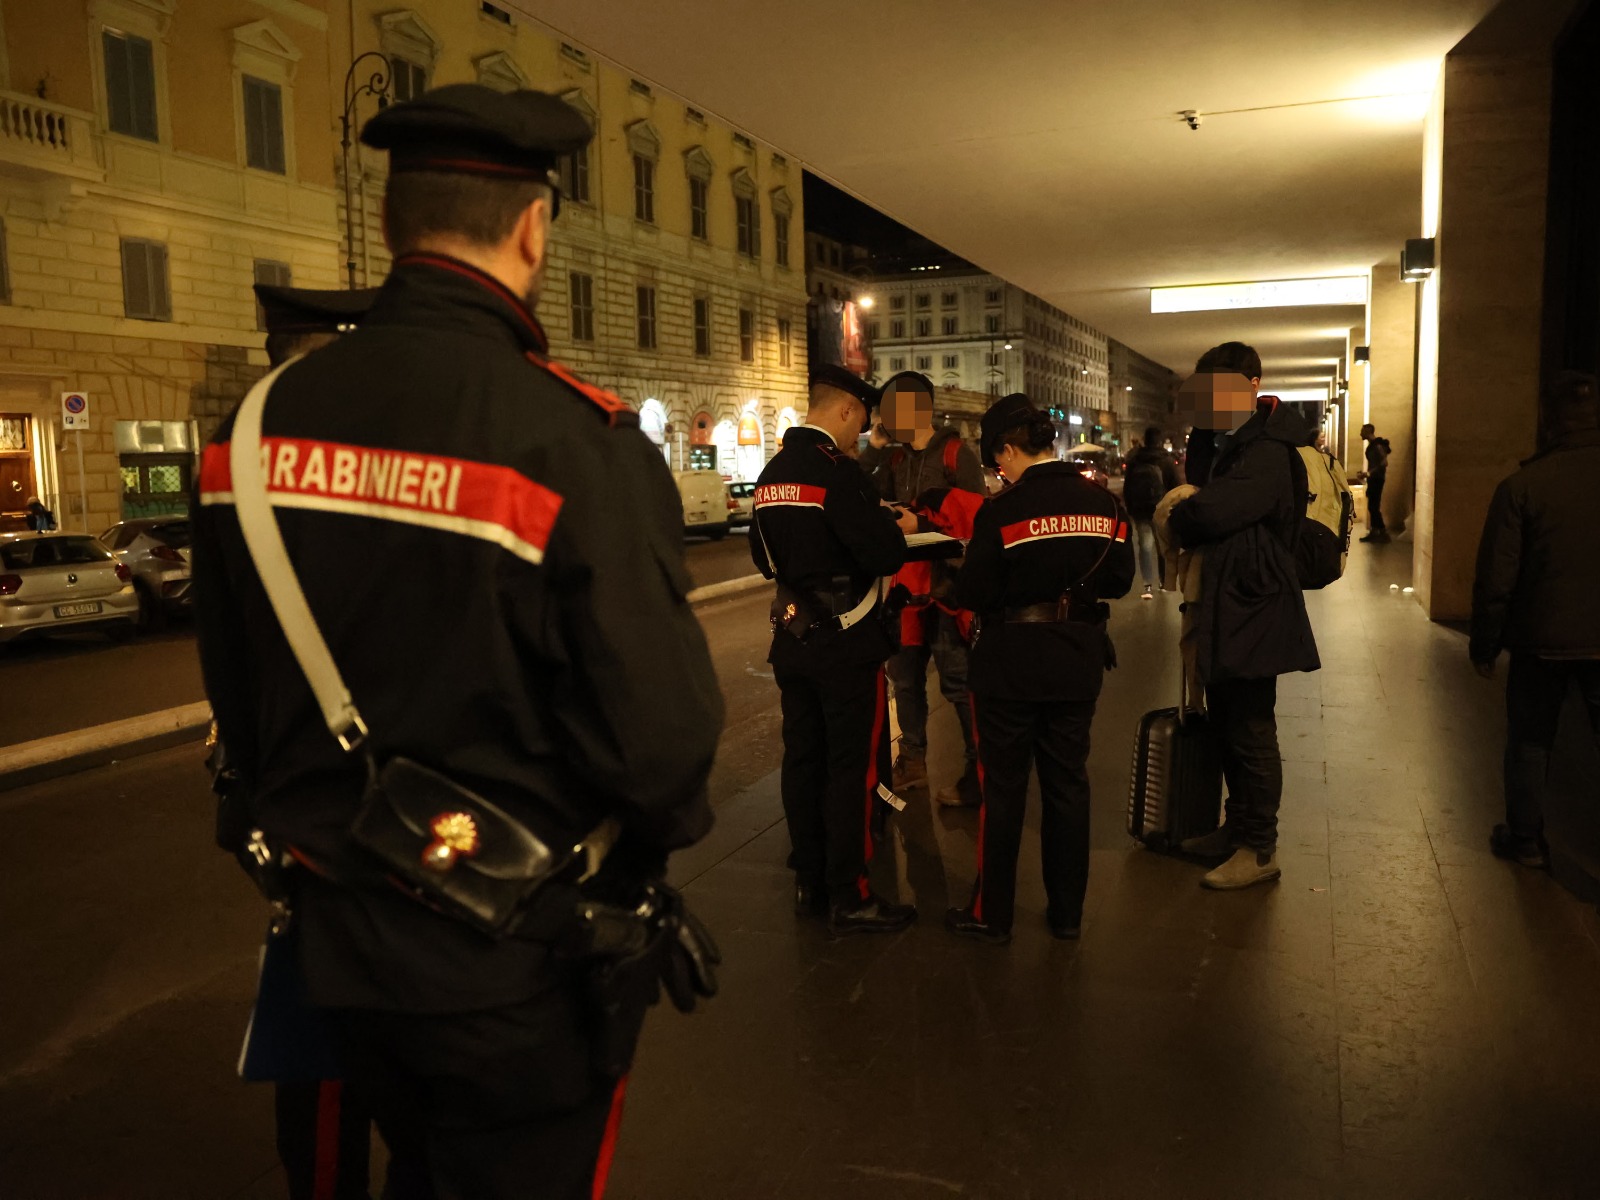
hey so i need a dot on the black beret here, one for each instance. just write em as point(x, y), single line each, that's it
point(312, 310)
point(834, 376)
point(470, 129)
point(1003, 416)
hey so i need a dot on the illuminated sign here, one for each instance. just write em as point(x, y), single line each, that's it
point(749, 430)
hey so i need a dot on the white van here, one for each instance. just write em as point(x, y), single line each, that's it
point(705, 503)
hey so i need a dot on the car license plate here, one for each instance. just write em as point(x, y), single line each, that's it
point(78, 610)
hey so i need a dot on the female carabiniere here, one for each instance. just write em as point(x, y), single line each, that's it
point(1045, 555)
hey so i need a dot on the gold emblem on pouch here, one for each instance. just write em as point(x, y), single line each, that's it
point(455, 836)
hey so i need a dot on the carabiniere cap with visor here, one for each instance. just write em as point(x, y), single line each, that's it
point(834, 376)
point(469, 129)
point(292, 310)
point(1003, 416)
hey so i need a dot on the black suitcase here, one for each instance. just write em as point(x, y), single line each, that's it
point(1176, 789)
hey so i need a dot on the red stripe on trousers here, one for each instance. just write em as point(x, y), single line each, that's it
point(608, 1144)
point(983, 807)
point(879, 716)
point(325, 1179)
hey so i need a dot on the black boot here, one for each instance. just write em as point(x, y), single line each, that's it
point(1063, 928)
point(1526, 851)
point(962, 923)
point(810, 899)
point(872, 915)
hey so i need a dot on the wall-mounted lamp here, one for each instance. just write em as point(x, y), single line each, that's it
point(1416, 260)
point(1363, 354)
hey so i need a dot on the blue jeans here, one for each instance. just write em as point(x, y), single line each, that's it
point(908, 672)
point(1144, 541)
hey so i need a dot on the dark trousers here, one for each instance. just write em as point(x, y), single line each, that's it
point(1245, 720)
point(1375, 503)
point(835, 753)
point(1536, 689)
point(1012, 735)
point(490, 1105)
point(908, 671)
point(324, 1139)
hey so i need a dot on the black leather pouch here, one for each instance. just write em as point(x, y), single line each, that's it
point(793, 613)
point(456, 851)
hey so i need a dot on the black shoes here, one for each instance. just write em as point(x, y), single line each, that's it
point(1527, 852)
point(962, 923)
point(1063, 930)
point(872, 915)
point(1380, 537)
point(810, 900)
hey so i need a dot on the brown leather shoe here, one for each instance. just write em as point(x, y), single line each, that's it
point(910, 773)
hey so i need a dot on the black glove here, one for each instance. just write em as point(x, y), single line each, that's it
point(690, 955)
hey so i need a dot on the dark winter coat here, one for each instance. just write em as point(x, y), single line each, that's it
point(1252, 621)
point(1539, 560)
point(1150, 456)
point(902, 474)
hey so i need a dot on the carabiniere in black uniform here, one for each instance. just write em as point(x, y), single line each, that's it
point(493, 552)
point(1045, 554)
point(822, 532)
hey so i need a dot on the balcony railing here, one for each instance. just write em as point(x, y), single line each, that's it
point(46, 136)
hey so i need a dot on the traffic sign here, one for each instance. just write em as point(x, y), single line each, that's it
point(74, 410)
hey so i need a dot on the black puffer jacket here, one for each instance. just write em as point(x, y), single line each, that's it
point(1539, 560)
point(1252, 620)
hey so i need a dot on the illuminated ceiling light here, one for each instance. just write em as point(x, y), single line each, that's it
point(1269, 293)
point(1300, 395)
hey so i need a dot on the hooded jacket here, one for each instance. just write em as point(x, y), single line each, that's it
point(1539, 561)
point(1252, 621)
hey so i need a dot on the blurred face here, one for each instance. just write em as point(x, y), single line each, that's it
point(1218, 400)
point(1367, 432)
point(907, 411)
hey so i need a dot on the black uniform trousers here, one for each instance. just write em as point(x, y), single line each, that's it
point(1012, 735)
point(501, 1104)
point(835, 754)
point(1375, 503)
point(324, 1139)
point(1536, 690)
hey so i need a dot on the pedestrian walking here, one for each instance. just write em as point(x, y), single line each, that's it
point(429, 756)
point(1149, 475)
point(1250, 625)
point(920, 460)
point(830, 542)
point(1534, 595)
point(1045, 555)
point(1377, 474)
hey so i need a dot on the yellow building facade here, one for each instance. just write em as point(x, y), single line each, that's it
point(157, 157)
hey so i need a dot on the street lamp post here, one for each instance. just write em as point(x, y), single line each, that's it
point(377, 84)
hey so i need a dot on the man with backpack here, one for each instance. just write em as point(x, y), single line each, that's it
point(1251, 624)
point(1149, 475)
point(912, 463)
point(1377, 473)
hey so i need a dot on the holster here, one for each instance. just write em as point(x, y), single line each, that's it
point(794, 613)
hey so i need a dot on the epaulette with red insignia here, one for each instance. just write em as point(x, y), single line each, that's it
point(619, 414)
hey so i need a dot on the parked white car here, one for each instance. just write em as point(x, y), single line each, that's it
point(59, 582)
point(743, 496)
point(706, 503)
point(157, 551)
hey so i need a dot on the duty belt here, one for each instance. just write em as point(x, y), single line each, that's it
point(1050, 612)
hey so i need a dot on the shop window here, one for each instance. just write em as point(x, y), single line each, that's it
point(145, 292)
point(263, 125)
point(155, 484)
point(130, 84)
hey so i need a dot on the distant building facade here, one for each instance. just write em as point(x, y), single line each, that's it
point(1145, 389)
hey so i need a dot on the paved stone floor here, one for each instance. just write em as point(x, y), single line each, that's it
point(1401, 1016)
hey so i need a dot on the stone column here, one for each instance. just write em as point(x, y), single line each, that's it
point(1391, 383)
point(1485, 168)
point(1355, 407)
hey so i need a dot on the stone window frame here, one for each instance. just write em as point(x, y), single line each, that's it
point(703, 344)
point(262, 51)
point(147, 19)
point(746, 200)
point(404, 35)
point(580, 307)
point(785, 338)
point(498, 70)
point(782, 205)
point(579, 99)
point(699, 169)
point(646, 310)
point(747, 335)
point(644, 145)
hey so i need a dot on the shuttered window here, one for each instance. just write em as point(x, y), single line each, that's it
point(408, 81)
point(130, 85)
point(702, 326)
point(582, 287)
point(277, 274)
point(647, 318)
point(263, 125)
point(145, 294)
point(747, 335)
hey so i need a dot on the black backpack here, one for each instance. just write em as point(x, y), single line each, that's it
point(1143, 485)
